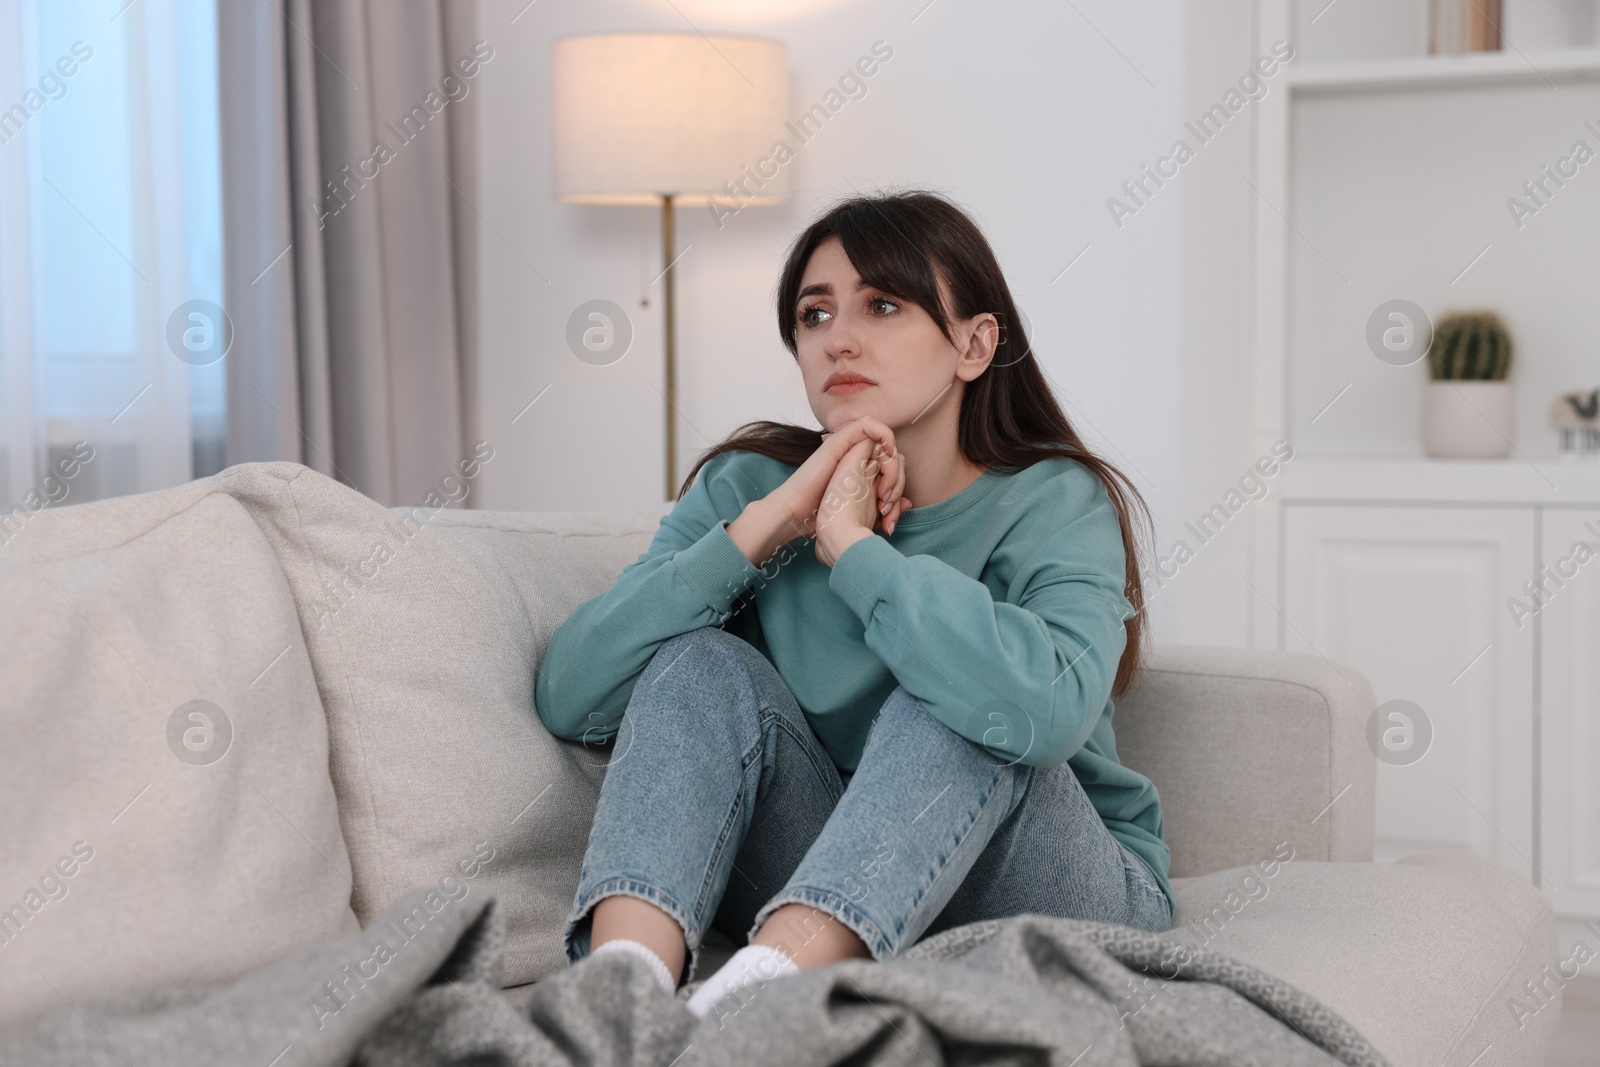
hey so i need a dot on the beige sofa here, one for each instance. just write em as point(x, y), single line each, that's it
point(243, 715)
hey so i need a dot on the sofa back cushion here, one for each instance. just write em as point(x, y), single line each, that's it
point(169, 817)
point(1249, 749)
point(425, 626)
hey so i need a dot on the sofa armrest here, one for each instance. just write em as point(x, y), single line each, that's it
point(1251, 749)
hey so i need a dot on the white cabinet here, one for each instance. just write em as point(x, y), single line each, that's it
point(1415, 599)
point(1567, 624)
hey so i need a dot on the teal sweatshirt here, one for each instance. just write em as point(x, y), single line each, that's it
point(1000, 607)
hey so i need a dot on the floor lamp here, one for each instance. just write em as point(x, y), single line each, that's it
point(675, 119)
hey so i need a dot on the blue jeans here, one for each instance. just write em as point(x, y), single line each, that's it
point(719, 805)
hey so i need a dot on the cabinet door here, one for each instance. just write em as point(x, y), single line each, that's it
point(1415, 598)
point(1568, 620)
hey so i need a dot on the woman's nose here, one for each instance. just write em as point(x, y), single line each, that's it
point(841, 339)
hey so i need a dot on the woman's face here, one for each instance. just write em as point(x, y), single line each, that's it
point(843, 327)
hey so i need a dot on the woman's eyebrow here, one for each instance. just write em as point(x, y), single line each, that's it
point(825, 289)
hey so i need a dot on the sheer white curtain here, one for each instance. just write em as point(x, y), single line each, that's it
point(110, 250)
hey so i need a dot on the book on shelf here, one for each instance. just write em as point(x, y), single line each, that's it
point(1457, 26)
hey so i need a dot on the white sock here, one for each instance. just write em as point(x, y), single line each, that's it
point(657, 965)
point(746, 973)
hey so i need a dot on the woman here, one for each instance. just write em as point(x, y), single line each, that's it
point(836, 751)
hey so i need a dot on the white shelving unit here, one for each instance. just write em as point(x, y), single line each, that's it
point(1369, 553)
point(1480, 68)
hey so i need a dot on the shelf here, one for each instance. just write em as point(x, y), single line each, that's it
point(1538, 67)
point(1508, 482)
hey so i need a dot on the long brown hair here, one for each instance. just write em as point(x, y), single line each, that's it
point(901, 243)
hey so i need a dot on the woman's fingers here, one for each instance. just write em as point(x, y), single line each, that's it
point(904, 506)
point(893, 482)
point(891, 519)
point(890, 472)
point(851, 433)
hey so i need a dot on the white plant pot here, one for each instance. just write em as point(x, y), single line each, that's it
point(1467, 420)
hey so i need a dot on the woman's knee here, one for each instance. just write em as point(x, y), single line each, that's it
point(904, 724)
point(902, 708)
point(906, 731)
point(907, 717)
point(702, 648)
point(700, 664)
point(708, 636)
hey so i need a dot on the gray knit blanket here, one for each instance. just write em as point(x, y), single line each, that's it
point(422, 987)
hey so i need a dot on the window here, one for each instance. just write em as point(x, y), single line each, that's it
point(110, 249)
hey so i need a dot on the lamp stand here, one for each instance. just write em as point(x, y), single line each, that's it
point(670, 344)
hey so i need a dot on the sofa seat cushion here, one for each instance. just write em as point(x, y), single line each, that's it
point(169, 816)
point(1426, 957)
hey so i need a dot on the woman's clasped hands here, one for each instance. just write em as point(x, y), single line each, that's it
point(848, 487)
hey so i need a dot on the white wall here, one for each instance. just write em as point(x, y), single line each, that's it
point(1209, 599)
point(1027, 112)
point(1208, 595)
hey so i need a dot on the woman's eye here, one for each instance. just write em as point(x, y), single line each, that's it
point(809, 313)
point(883, 301)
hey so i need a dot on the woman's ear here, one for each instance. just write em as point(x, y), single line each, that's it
point(984, 338)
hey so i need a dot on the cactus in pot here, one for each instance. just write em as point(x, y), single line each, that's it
point(1467, 412)
point(1470, 346)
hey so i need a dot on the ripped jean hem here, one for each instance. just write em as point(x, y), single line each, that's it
point(838, 908)
point(641, 890)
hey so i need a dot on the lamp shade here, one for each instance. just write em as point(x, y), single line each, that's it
point(639, 115)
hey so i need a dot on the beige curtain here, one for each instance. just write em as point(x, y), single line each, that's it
point(348, 166)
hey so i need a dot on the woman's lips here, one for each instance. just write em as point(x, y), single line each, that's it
point(850, 387)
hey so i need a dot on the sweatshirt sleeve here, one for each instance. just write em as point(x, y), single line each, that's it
point(689, 577)
point(1028, 677)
